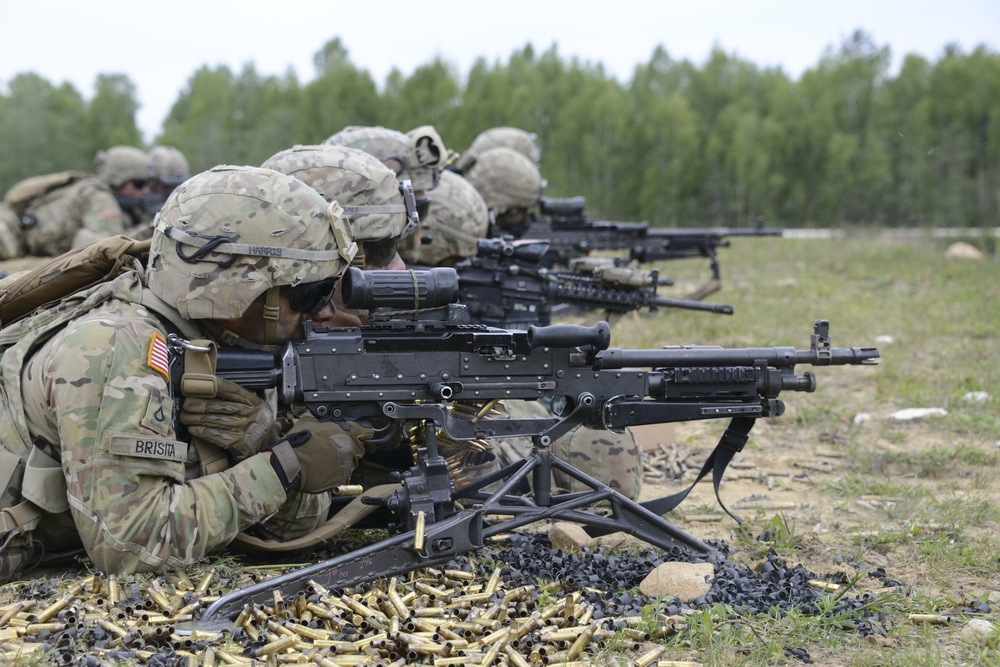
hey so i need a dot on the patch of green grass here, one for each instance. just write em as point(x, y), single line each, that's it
point(952, 555)
point(934, 462)
point(757, 535)
point(855, 486)
point(722, 638)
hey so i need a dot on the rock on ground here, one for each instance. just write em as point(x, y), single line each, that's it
point(684, 581)
point(963, 250)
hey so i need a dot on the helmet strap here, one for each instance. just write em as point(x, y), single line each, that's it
point(228, 338)
point(271, 311)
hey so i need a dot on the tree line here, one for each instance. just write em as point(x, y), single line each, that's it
point(678, 144)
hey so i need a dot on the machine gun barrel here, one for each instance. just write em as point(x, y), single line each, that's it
point(682, 234)
point(616, 300)
point(779, 357)
point(665, 244)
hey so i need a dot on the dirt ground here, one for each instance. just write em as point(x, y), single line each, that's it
point(786, 470)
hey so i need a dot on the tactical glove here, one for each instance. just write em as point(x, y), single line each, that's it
point(319, 458)
point(237, 420)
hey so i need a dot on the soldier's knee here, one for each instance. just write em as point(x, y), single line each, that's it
point(611, 458)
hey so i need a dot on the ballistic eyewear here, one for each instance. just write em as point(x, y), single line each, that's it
point(310, 297)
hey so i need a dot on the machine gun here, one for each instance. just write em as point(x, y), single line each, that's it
point(414, 367)
point(505, 285)
point(571, 233)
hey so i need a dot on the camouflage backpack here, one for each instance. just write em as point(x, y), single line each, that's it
point(24, 192)
point(41, 287)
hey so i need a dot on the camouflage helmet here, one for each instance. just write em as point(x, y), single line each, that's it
point(169, 166)
point(227, 235)
point(418, 154)
point(379, 206)
point(457, 219)
point(506, 179)
point(524, 142)
point(120, 164)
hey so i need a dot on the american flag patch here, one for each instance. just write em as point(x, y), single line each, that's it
point(158, 359)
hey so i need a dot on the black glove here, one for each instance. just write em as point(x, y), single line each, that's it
point(315, 460)
point(284, 460)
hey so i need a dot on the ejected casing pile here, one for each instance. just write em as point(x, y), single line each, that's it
point(667, 463)
point(434, 617)
point(105, 620)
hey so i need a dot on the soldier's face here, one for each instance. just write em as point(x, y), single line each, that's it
point(134, 189)
point(251, 325)
point(395, 264)
point(334, 314)
point(512, 218)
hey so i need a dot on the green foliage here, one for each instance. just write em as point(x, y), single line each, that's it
point(676, 145)
point(112, 114)
point(42, 129)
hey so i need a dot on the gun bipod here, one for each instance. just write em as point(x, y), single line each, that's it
point(626, 516)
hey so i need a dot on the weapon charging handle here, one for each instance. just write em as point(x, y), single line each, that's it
point(570, 335)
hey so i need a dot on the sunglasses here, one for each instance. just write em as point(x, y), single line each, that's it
point(309, 297)
point(139, 183)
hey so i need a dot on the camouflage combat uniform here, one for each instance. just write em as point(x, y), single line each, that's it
point(11, 236)
point(62, 218)
point(96, 399)
point(612, 458)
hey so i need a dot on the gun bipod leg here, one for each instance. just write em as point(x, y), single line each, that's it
point(638, 521)
point(627, 515)
point(443, 540)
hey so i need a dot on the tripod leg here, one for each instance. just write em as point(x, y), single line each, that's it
point(627, 515)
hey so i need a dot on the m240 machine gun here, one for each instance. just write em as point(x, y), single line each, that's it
point(506, 285)
point(571, 234)
point(410, 368)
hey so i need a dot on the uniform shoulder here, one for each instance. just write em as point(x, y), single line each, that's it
point(115, 323)
point(91, 186)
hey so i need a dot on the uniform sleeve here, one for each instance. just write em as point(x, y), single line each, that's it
point(100, 213)
point(107, 386)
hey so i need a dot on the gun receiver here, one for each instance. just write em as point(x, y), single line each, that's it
point(408, 368)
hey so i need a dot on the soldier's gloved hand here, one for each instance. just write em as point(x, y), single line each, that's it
point(316, 459)
point(236, 420)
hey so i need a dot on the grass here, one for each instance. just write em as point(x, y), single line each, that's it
point(918, 498)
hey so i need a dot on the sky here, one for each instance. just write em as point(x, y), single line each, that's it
point(161, 45)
